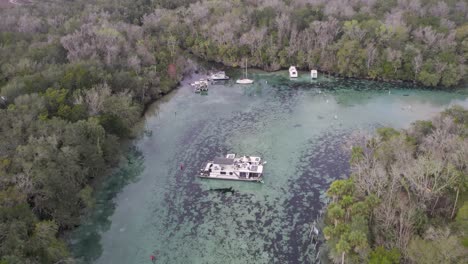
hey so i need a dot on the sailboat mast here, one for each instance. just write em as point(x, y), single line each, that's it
point(246, 68)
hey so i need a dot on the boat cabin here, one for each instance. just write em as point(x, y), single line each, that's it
point(292, 72)
point(219, 76)
point(313, 74)
point(244, 168)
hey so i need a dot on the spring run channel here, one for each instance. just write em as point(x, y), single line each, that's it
point(149, 206)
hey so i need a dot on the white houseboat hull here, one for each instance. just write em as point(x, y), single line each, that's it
point(245, 168)
point(228, 178)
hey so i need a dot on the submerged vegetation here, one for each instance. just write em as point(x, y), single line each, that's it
point(74, 81)
point(406, 199)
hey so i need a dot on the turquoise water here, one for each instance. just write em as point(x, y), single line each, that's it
point(152, 207)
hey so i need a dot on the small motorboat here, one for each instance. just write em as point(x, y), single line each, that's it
point(219, 76)
point(292, 72)
point(313, 74)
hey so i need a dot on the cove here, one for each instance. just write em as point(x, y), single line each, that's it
point(152, 207)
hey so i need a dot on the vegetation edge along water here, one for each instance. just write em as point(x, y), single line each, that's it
point(406, 198)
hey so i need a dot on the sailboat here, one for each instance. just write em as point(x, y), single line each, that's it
point(245, 80)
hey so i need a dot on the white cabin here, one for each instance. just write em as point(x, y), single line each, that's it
point(219, 76)
point(245, 168)
point(313, 74)
point(292, 72)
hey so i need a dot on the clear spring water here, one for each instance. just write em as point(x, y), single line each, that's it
point(152, 207)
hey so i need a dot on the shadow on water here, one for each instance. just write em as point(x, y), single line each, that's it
point(320, 165)
point(85, 241)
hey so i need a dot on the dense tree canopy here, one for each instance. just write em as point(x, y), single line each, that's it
point(406, 199)
point(74, 79)
point(414, 40)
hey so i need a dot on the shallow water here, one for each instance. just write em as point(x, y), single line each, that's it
point(152, 207)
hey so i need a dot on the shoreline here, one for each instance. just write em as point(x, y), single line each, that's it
point(337, 75)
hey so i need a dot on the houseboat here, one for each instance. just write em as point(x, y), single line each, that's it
point(292, 72)
point(244, 168)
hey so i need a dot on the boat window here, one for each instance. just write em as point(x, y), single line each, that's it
point(223, 173)
point(230, 173)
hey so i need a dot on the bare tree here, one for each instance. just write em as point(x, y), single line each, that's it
point(417, 64)
point(29, 24)
point(95, 97)
point(394, 56)
point(371, 50)
point(284, 27)
point(253, 38)
point(440, 9)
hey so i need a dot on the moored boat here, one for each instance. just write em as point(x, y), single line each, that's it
point(200, 86)
point(313, 74)
point(219, 76)
point(292, 72)
point(245, 80)
point(244, 168)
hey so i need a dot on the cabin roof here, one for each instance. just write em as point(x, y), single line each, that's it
point(223, 161)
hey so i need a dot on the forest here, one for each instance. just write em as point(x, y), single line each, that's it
point(75, 79)
point(423, 41)
point(406, 200)
point(76, 76)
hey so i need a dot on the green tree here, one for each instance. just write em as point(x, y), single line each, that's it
point(45, 243)
point(382, 256)
point(351, 58)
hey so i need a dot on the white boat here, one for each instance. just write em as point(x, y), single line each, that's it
point(219, 76)
point(245, 168)
point(245, 80)
point(313, 74)
point(292, 72)
point(200, 86)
